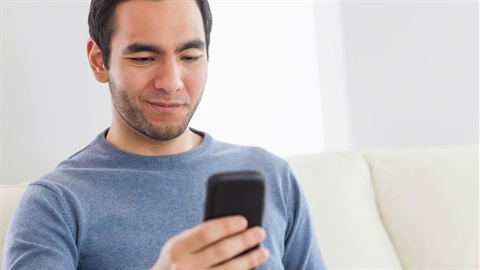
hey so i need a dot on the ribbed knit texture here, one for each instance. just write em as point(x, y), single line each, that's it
point(107, 209)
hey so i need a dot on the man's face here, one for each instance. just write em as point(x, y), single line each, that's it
point(158, 66)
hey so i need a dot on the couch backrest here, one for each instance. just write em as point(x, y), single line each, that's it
point(428, 200)
point(414, 208)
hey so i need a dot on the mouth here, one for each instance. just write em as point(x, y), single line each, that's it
point(165, 104)
point(165, 107)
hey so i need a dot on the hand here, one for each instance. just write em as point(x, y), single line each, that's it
point(214, 245)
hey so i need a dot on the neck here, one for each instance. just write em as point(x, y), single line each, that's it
point(127, 139)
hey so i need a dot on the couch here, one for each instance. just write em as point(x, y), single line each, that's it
point(413, 208)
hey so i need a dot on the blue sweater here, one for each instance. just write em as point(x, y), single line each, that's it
point(107, 209)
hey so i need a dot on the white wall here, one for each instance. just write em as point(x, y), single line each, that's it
point(333, 82)
point(412, 72)
point(264, 77)
point(51, 104)
point(262, 88)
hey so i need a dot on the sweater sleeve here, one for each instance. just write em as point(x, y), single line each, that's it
point(41, 234)
point(301, 248)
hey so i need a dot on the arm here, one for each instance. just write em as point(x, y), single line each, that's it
point(301, 248)
point(41, 235)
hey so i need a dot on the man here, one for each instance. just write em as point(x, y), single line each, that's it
point(132, 199)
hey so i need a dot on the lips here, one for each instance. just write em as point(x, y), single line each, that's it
point(165, 107)
point(166, 104)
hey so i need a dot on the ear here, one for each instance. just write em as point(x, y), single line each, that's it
point(96, 61)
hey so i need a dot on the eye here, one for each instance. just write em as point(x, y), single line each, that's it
point(142, 60)
point(190, 58)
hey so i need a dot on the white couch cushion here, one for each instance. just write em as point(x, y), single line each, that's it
point(9, 197)
point(428, 199)
point(342, 203)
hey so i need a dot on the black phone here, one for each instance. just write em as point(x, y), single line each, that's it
point(236, 193)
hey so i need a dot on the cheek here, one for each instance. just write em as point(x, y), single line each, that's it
point(196, 80)
point(128, 81)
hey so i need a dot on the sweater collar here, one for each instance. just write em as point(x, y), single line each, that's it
point(129, 158)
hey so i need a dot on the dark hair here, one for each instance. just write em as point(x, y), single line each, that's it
point(101, 23)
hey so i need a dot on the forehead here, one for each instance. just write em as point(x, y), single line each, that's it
point(165, 20)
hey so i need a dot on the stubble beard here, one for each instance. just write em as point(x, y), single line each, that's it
point(135, 118)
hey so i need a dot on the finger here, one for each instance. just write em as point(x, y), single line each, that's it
point(228, 248)
point(208, 233)
point(247, 261)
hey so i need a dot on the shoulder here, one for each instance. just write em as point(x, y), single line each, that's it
point(254, 155)
point(276, 170)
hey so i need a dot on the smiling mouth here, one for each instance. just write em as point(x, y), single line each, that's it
point(165, 107)
point(165, 104)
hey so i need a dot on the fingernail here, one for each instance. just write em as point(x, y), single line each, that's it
point(263, 254)
point(240, 222)
point(259, 234)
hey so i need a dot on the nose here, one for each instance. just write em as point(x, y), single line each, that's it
point(168, 77)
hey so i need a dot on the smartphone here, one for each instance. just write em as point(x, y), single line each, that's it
point(236, 193)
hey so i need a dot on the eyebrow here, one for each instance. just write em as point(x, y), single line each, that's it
point(143, 47)
point(193, 44)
